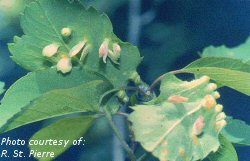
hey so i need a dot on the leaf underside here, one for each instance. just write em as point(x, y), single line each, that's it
point(165, 128)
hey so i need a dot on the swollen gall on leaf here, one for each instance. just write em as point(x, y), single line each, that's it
point(114, 57)
point(209, 101)
point(117, 49)
point(211, 87)
point(64, 64)
point(220, 124)
point(77, 48)
point(216, 95)
point(116, 53)
point(103, 50)
point(221, 116)
point(50, 50)
point(196, 82)
point(66, 32)
point(177, 99)
point(218, 108)
point(85, 52)
point(198, 125)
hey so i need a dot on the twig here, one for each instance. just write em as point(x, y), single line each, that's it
point(112, 124)
point(118, 89)
point(114, 91)
point(119, 136)
point(143, 157)
point(122, 114)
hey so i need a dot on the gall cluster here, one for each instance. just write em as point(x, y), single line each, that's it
point(79, 52)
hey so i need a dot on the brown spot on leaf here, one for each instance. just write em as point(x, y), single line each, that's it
point(182, 152)
point(164, 152)
point(195, 140)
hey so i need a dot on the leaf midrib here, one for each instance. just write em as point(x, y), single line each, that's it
point(178, 122)
point(53, 27)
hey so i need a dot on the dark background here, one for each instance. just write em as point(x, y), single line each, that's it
point(169, 34)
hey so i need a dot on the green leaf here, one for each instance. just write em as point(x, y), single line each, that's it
point(226, 152)
point(35, 84)
point(241, 52)
point(228, 72)
point(219, 62)
point(237, 132)
point(83, 98)
point(166, 127)
point(42, 23)
point(1, 87)
point(171, 86)
point(66, 129)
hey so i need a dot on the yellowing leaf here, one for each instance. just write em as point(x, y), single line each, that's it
point(179, 130)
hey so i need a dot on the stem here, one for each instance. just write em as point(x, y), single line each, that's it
point(118, 89)
point(122, 114)
point(108, 116)
point(143, 156)
point(114, 91)
point(119, 136)
point(160, 78)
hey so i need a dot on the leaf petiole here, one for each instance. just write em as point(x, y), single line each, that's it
point(160, 78)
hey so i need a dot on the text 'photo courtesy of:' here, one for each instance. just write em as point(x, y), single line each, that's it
point(124, 80)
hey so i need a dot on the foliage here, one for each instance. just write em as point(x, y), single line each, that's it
point(62, 101)
point(170, 132)
point(79, 66)
point(226, 151)
point(49, 18)
point(237, 72)
point(38, 85)
point(1, 87)
point(237, 132)
point(240, 52)
point(62, 130)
